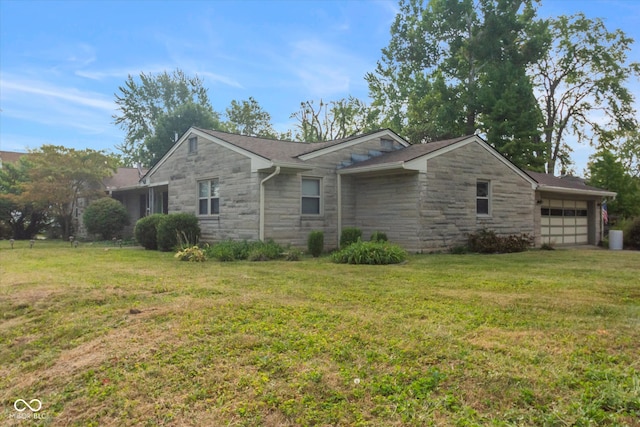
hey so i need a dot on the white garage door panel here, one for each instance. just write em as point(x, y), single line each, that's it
point(564, 222)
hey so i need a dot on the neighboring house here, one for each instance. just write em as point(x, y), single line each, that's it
point(10, 157)
point(425, 197)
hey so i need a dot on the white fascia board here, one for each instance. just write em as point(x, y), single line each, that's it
point(355, 141)
point(292, 165)
point(563, 190)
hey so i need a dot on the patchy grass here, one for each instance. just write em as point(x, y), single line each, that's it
point(132, 337)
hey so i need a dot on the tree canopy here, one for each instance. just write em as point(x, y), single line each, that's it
point(455, 68)
point(20, 218)
point(59, 176)
point(249, 118)
point(333, 119)
point(172, 125)
point(607, 171)
point(151, 101)
point(582, 79)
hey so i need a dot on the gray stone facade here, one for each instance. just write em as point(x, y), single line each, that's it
point(423, 196)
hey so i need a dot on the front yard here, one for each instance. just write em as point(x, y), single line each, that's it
point(121, 336)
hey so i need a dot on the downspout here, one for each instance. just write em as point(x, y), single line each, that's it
point(339, 184)
point(277, 172)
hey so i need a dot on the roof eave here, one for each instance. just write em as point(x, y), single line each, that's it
point(284, 166)
point(564, 190)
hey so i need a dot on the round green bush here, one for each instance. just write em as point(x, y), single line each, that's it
point(146, 231)
point(106, 217)
point(177, 228)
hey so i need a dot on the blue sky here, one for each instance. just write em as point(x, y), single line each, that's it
point(61, 62)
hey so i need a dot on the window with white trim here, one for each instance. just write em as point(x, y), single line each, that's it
point(311, 196)
point(483, 197)
point(209, 197)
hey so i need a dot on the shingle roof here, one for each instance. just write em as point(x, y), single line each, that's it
point(568, 182)
point(124, 177)
point(273, 149)
point(11, 156)
point(268, 148)
point(408, 153)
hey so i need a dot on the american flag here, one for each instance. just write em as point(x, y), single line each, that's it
point(605, 215)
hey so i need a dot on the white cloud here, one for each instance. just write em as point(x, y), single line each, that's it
point(43, 90)
point(324, 69)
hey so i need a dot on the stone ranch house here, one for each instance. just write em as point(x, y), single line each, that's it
point(425, 197)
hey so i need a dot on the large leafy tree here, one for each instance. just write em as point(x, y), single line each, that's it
point(333, 120)
point(582, 79)
point(171, 125)
point(60, 176)
point(247, 117)
point(455, 68)
point(144, 101)
point(22, 217)
point(606, 170)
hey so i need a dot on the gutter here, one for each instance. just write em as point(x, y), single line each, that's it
point(276, 172)
point(564, 190)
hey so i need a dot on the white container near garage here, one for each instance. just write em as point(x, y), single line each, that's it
point(615, 240)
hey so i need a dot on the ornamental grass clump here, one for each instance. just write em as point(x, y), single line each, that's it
point(373, 253)
point(193, 254)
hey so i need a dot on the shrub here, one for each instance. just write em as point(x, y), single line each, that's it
point(349, 236)
point(106, 217)
point(377, 253)
point(488, 242)
point(459, 250)
point(315, 243)
point(265, 251)
point(379, 236)
point(547, 247)
point(293, 254)
point(146, 231)
point(230, 250)
point(631, 234)
point(193, 254)
point(174, 225)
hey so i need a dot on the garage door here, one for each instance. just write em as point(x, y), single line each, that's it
point(564, 222)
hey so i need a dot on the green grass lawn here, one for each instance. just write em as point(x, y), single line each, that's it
point(121, 336)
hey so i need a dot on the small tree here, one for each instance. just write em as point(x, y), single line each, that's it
point(106, 217)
